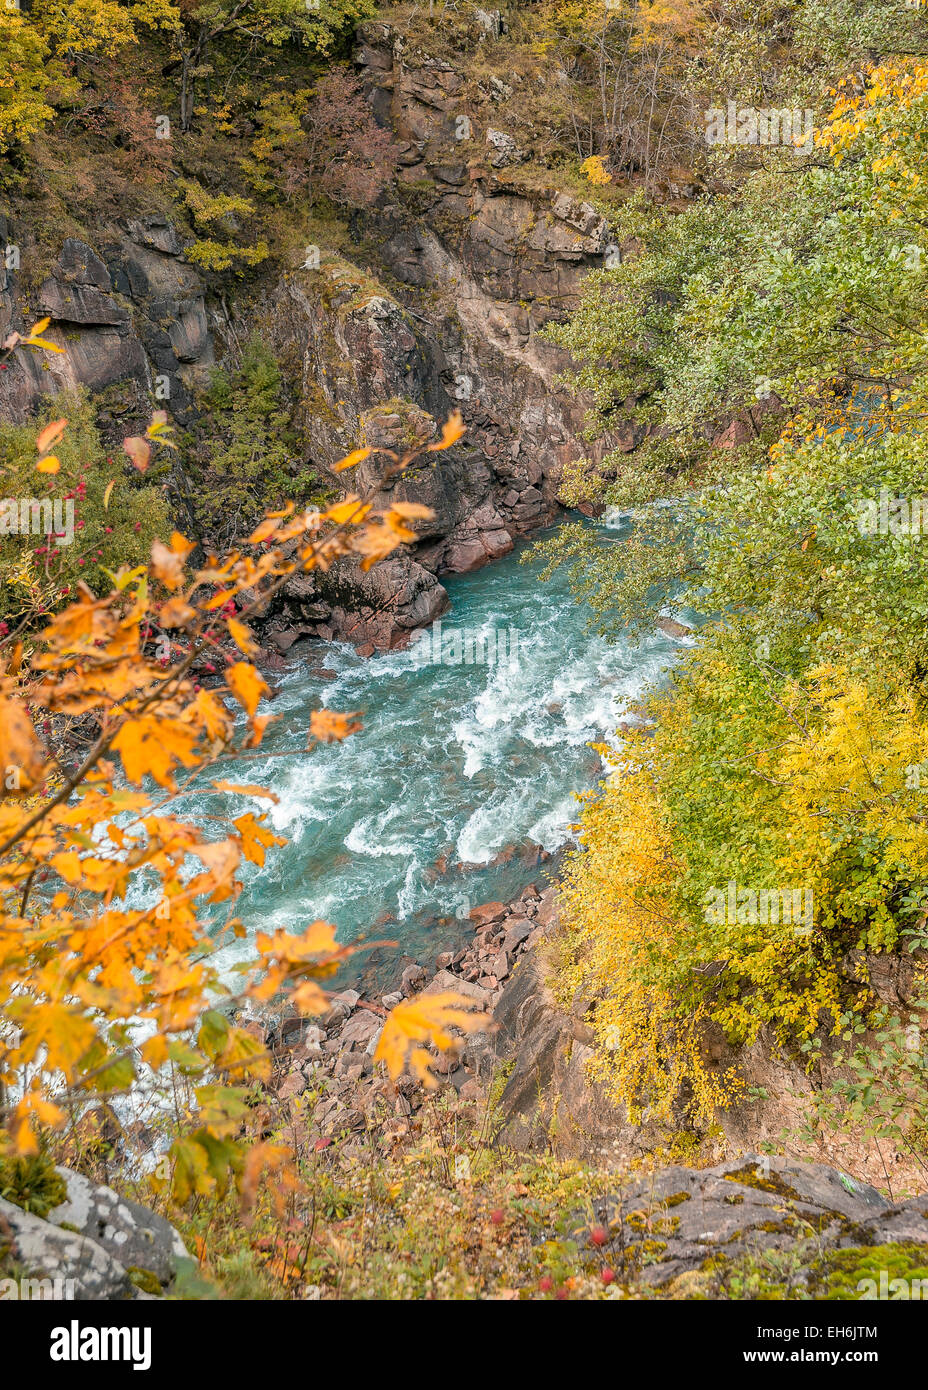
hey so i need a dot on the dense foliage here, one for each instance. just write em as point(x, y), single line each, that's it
point(766, 346)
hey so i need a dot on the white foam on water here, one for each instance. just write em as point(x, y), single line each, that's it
point(502, 820)
point(370, 836)
point(463, 761)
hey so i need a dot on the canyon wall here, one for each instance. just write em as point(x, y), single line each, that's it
point(435, 306)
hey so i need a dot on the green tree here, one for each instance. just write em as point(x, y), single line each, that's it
point(318, 27)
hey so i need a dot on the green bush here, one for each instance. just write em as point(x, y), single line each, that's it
point(115, 514)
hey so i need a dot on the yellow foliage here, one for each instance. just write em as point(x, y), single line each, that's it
point(833, 789)
point(423, 1019)
point(617, 904)
point(595, 171)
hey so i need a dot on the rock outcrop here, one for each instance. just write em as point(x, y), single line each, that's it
point(95, 1245)
point(128, 313)
point(476, 266)
point(676, 1224)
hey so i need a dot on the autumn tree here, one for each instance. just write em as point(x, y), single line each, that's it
point(250, 24)
point(101, 882)
point(323, 141)
point(766, 347)
point(24, 105)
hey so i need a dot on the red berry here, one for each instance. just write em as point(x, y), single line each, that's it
point(599, 1235)
point(608, 1275)
point(497, 1216)
point(546, 1284)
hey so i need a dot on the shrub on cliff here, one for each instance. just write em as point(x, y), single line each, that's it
point(245, 455)
point(90, 516)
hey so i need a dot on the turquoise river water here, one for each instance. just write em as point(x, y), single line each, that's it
point(464, 776)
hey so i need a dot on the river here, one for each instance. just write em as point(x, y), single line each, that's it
point(464, 776)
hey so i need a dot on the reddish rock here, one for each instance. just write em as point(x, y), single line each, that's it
point(500, 967)
point(487, 912)
point(671, 628)
point(547, 908)
point(465, 555)
point(496, 543)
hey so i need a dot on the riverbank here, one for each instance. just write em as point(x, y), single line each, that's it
point(329, 1061)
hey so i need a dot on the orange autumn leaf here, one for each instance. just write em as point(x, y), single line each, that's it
point(167, 561)
point(255, 837)
point(154, 1051)
point(31, 1111)
point(48, 437)
point(209, 713)
point(352, 509)
point(264, 530)
point(221, 857)
point(62, 1031)
point(34, 337)
point(259, 723)
point(22, 761)
point(452, 430)
point(377, 542)
point(351, 460)
point(412, 511)
point(152, 747)
point(176, 612)
point(317, 940)
point(425, 1019)
point(242, 637)
point(246, 685)
point(246, 789)
point(309, 998)
point(328, 726)
point(218, 600)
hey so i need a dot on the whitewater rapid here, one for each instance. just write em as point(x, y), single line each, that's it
point(461, 774)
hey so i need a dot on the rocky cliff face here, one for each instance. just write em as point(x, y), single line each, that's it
point(128, 312)
point(453, 274)
point(476, 265)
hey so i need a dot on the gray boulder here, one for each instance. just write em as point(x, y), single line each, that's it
point(76, 1266)
point(675, 1220)
point(132, 1234)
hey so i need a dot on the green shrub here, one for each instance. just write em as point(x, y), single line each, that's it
point(115, 514)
